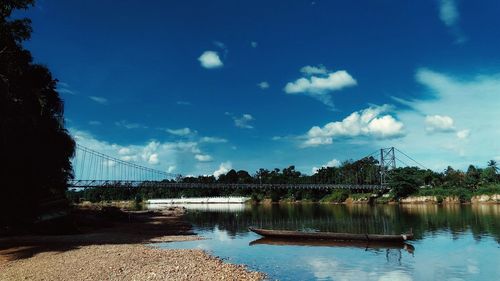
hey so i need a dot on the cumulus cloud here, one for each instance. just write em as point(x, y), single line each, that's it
point(320, 87)
point(334, 81)
point(210, 59)
point(95, 123)
point(223, 169)
point(372, 122)
point(439, 123)
point(254, 44)
point(263, 85)
point(203, 157)
point(312, 70)
point(100, 100)
point(181, 131)
point(331, 163)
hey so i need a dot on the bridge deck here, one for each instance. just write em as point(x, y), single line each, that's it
point(111, 183)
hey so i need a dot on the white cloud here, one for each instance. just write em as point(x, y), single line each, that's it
point(181, 102)
point(367, 122)
point(100, 100)
point(203, 157)
point(212, 140)
point(312, 70)
point(210, 59)
point(95, 123)
point(331, 163)
point(153, 159)
point(450, 16)
point(181, 132)
point(171, 169)
point(263, 85)
point(334, 81)
point(124, 151)
point(448, 12)
point(64, 88)
point(254, 44)
point(220, 45)
point(319, 87)
point(439, 123)
point(242, 121)
point(66, 91)
point(463, 134)
point(223, 169)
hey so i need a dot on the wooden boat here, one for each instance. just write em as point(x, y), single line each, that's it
point(332, 235)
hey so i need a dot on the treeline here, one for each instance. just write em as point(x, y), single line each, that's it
point(401, 181)
point(35, 147)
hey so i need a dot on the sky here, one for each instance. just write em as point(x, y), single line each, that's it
point(200, 87)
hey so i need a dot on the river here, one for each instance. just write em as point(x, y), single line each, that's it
point(452, 242)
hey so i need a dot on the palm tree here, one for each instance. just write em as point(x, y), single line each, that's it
point(493, 164)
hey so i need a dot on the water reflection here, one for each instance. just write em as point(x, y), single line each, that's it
point(481, 220)
point(367, 246)
point(453, 242)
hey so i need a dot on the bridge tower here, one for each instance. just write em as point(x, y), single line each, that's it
point(387, 163)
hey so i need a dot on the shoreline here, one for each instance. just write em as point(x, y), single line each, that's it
point(115, 247)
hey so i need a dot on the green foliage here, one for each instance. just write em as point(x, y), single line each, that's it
point(463, 194)
point(488, 189)
point(405, 181)
point(359, 196)
point(337, 196)
point(33, 140)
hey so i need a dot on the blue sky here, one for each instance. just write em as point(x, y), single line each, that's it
point(199, 87)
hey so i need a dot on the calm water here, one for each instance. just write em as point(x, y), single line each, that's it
point(452, 242)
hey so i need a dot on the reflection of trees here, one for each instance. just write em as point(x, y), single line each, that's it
point(386, 219)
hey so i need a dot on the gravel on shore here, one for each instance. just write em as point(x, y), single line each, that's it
point(124, 262)
point(115, 251)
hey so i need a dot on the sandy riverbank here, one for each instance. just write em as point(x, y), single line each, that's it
point(115, 249)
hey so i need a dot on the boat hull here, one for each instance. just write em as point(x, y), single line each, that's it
point(331, 235)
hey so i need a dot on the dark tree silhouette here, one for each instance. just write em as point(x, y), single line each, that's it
point(35, 148)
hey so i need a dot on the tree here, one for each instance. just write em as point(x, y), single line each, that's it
point(405, 181)
point(34, 145)
point(493, 165)
point(472, 177)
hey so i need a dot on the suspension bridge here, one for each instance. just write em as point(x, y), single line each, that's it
point(94, 169)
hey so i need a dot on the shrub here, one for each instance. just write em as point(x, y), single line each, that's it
point(337, 196)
